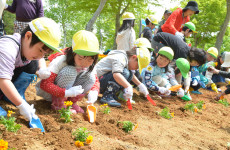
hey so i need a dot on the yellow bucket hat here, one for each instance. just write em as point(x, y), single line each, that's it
point(213, 52)
point(85, 43)
point(144, 57)
point(128, 16)
point(47, 32)
point(152, 19)
point(143, 42)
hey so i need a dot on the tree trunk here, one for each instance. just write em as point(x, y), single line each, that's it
point(118, 16)
point(220, 35)
point(89, 26)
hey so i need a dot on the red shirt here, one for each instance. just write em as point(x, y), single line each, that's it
point(175, 21)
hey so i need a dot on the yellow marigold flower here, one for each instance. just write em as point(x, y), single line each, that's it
point(89, 139)
point(135, 127)
point(3, 145)
point(68, 103)
point(216, 64)
point(10, 113)
point(172, 114)
point(204, 106)
point(195, 110)
point(105, 104)
point(79, 144)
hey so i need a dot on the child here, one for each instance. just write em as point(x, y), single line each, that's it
point(196, 58)
point(175, 76)
point(41, 37)
point(220, 64)
point(224, 74)
point(114, 72)
point(126, 34)
point(151, 22)
point(72, 74)
point(211, 54)
point(154, 76)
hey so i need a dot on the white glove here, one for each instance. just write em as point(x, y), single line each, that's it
point(27, 110)
point(180, 92)
point(164, 91)
point(44, 73)
point(6, 6)
point(128, 92)
point(74, 91)
point(194, 83)
point(92, 96)
point(143, 89)
point(180, 35)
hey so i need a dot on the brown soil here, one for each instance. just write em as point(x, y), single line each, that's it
point(209, 129)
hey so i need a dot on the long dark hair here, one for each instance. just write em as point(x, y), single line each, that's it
point(127, 24)
point(70, 58)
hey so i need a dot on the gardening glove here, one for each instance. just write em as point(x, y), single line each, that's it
point(128, 92)
point(164, 91)
point(143, 89)
point(74, 91)
point(214, 88)
point(180, 35)
point(6, 6)
point(180, 92)
point(27, 110)
point(44, 73)
point(92, 96)
point(194, 82)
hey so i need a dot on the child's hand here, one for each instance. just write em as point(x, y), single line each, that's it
point(44, 73)
point(92, 97)
point(213, 70)
point(74, 91)
point(164, 91)
point(128, 92)
point(26, 110)
point(143, 89)
point(180, 92)
point(219, 96)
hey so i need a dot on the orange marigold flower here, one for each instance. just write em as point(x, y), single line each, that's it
point(3, 145)
point(68, 103)
point(135, 127)
point(204, 106)
point(79, 144)
point(10, 113)
point(195, 110)
point(172, 114)
point(89, 139)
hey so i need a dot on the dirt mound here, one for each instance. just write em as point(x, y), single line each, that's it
point(209, 129)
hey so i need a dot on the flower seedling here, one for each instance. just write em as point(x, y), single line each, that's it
point(9, 122)
point(105, 109)
point(66, 112)
point(195, 107)
point(165, 113)
point(128, 126)
point(224, 102)
point(81, 137)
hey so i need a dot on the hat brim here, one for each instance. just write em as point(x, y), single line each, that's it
point(226, 64)
point(212, 55)
point(193, 9)
point(85, 53)
point(194, 31)
point(185, 75)
point(50, 46)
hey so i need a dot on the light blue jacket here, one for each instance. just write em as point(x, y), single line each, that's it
point(149, 72)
